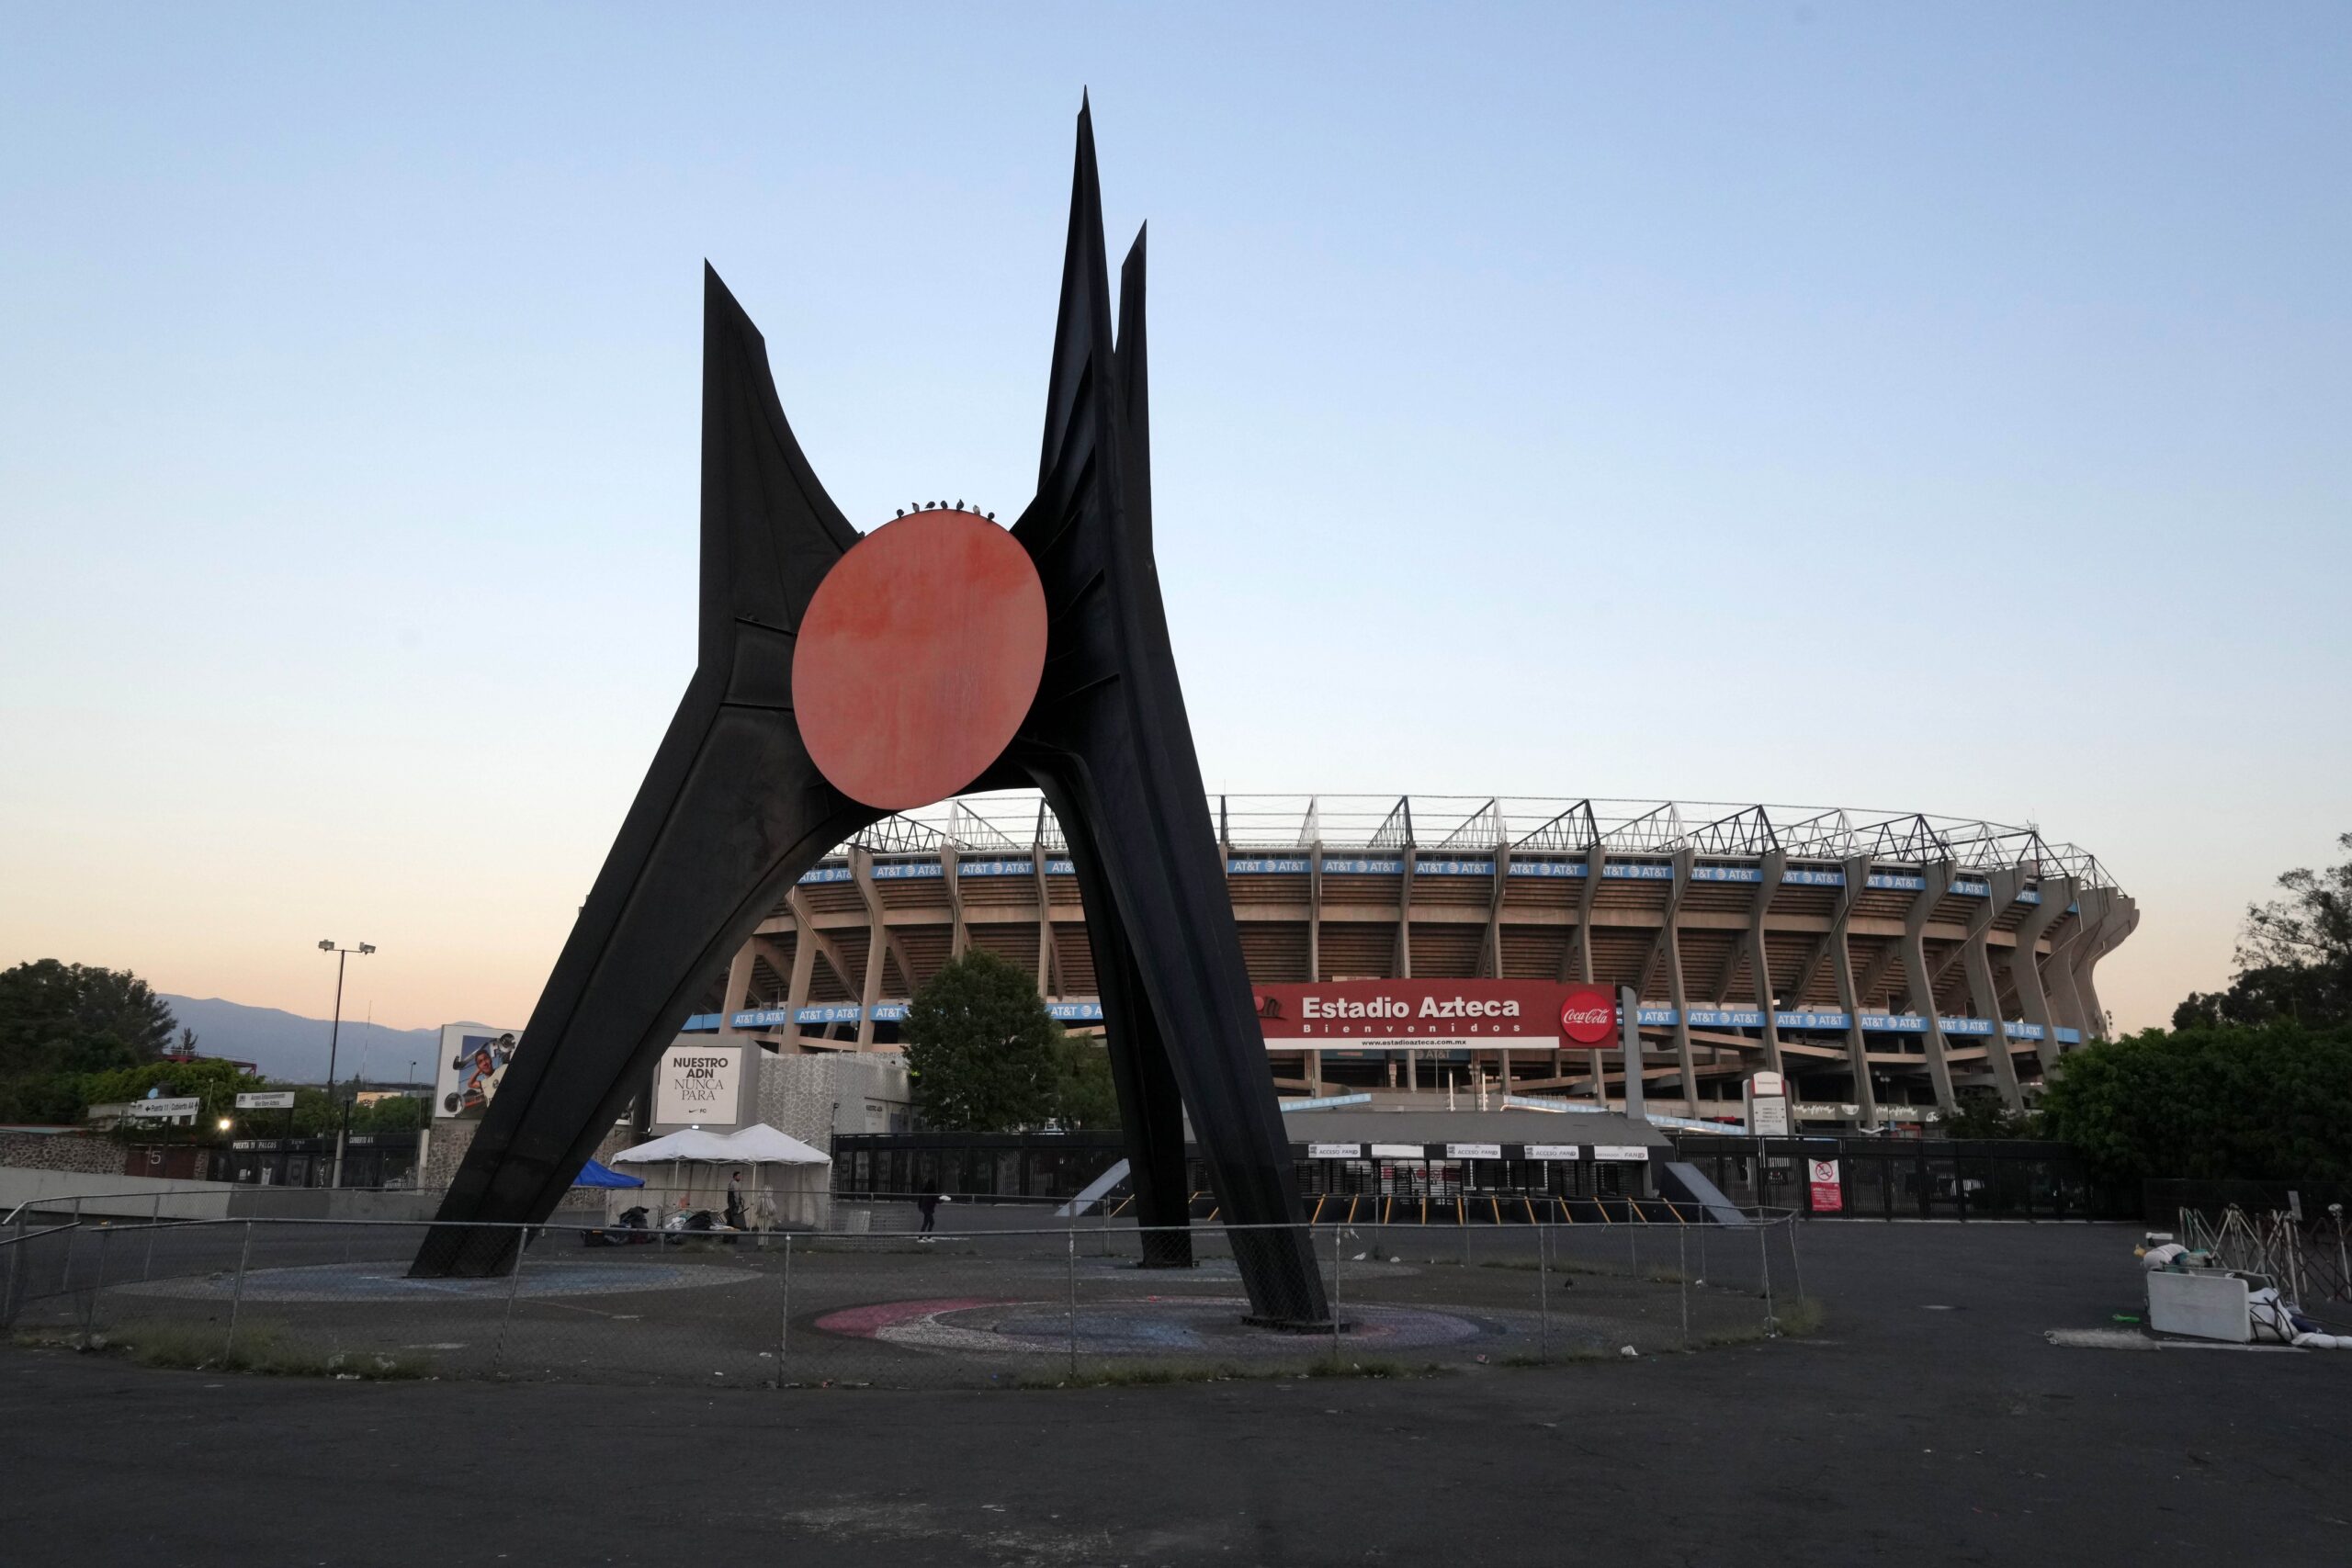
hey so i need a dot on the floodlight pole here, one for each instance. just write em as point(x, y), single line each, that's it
point(335, 1036)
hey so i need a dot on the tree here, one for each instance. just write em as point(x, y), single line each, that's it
point(216, 1083)
point(2294, 957)
point(982, 1050)
point(2208, 1103)
point(1981, 1115)
point(1084, 1096)
point(74, 1018)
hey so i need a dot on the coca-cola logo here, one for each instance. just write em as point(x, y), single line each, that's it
point(1588, 1015)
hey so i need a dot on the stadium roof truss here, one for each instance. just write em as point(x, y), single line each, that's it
point(1460, 825)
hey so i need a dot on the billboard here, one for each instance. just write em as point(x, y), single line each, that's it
point(698, 1083)
point(1442, 1014)
point(473, 1058)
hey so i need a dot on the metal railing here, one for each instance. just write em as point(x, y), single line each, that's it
point(960, 1308)
point(2310, 1257)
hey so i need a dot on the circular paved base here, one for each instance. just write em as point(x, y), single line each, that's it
point(376, 1282)
point(1142, 1326)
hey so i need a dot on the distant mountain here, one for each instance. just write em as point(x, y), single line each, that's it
point(293, 1049)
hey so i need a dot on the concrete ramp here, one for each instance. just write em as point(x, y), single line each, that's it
point(1096, 1191)
point(1683, 1182)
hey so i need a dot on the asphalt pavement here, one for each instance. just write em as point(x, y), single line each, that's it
point(1927, 1422)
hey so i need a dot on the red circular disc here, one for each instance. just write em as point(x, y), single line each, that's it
point(1588, 1015)
point(918, 658)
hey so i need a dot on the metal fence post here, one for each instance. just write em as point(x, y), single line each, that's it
point(513, 1283)
point(97, 1292)
point(1682, 1272)
point(1336, 1232)
point(147, 1270)
point(72, 1244)
point(1072, 1237)
point(1544, 1292)
point(1796, 1265)
point(237, 1294)
point(1764, 1255)
point(8, 1302)
point(784, 1317)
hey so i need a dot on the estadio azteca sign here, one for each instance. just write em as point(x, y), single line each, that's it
point(1454, 1014)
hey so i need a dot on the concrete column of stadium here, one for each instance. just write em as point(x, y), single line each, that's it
point(812, 945)
point(1938, 877)
point(1984, 1002)
point(879, 945)
point(1579, 953)
point(1677, 993)
point(2111, 915)
point(950, 877)
point(1774, 864)
point(2057, 968)
point(1490, 953)
point(738, 994)
point(1314, 942)
point(2009, 888)
point(2025, 965)
point(1314, 915)
point(1044, 910)
point(1408, 857)
point(1841, 960)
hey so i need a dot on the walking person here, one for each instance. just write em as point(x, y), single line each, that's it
point(927, 1205)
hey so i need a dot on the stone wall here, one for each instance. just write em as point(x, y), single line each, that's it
point(444, 1153)
point(813, 1097)
point(77, 1152)
point(452, 1139)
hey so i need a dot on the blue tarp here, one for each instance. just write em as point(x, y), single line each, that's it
point(594, 1175)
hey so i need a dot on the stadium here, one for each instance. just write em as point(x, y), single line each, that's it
point(1888, 964)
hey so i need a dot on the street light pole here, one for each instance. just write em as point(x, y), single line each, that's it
point(335, 1036)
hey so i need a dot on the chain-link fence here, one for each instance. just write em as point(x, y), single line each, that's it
point(997, 1300)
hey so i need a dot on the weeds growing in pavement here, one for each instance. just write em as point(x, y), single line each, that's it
point(1794, 1320)
point(1607, 1270)
point(259, 1348)
point(1158, 1374)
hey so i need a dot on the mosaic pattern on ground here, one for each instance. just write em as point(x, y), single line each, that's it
point(1145, 1325)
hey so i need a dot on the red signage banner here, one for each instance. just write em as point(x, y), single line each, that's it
point(1454, 1014)
point(1828, 1192)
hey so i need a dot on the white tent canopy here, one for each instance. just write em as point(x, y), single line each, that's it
point(758, 1143)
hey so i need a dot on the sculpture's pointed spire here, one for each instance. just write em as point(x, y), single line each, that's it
point(769, 531)
point(1131, 386)
point(1082, 324)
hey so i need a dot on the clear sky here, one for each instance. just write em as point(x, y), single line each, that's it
point(1942, 408)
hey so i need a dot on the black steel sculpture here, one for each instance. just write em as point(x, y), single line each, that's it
point(734, 808)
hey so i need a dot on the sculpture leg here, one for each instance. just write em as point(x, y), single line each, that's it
point(1109, 740)
point(1166, 888)
point(1151, 1109)
point(729, 815)
point(680, 893)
